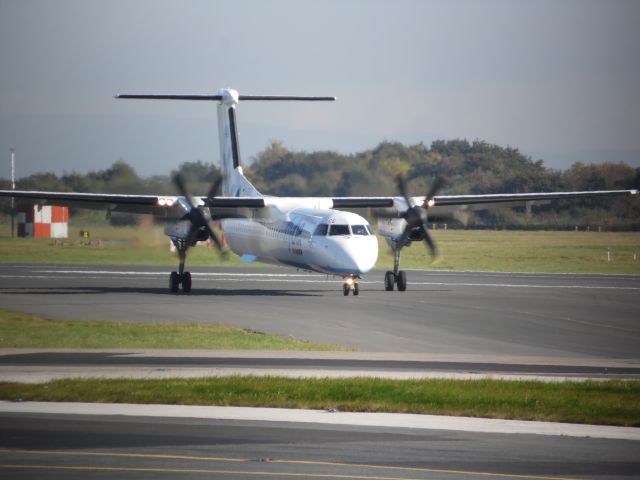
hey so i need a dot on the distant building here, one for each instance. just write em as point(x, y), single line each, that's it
point(45, 221)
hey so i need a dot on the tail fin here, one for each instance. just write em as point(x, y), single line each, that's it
point(234, 183)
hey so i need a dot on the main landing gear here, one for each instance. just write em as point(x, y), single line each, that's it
point(180, 277)
point(351, 285)
point(398, 276)
point(199, 229)
point(415, 229)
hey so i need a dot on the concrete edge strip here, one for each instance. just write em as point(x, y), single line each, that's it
point(338, 355)
point(388, 420)
point(42, 375)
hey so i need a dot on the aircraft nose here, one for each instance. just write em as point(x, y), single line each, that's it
point(358, 255)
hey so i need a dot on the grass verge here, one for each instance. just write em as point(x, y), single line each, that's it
point(108, 246)
point(526, 251)
point(485, 250)
point(21, 330)
point(591, 402)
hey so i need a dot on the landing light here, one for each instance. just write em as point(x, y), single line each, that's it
point(349, 281)
point(431, 202)
point(165, 202)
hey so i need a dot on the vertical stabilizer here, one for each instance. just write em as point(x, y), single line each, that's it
point(234, 182)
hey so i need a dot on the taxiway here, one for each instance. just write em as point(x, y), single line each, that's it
point(67, 446)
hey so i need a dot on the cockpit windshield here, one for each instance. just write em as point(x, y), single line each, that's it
point(339, 230)
point(359, 230)
point(321, 230)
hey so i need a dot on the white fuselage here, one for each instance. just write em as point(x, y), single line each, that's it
point(317, 239)
point(305, 233)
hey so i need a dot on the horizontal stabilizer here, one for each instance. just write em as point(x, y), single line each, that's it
point(286, 98)
point(173, 97)
point(219, 97)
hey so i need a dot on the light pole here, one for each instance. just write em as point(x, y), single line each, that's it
point(13, 187)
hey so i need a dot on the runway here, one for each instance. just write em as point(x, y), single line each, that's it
point(446, 323)
point(58, 446)
point(441, 313)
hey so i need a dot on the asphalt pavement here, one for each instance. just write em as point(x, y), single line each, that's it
point(454, 313)
point(58, 446)
point(445, 323)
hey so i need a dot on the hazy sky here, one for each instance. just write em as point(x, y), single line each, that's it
point(557, 79)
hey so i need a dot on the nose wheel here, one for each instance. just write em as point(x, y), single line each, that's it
point(350, 285)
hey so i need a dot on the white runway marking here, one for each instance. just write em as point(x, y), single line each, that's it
point(200, 274)
point(621, 276)
point(295, 278)
point(512, 285)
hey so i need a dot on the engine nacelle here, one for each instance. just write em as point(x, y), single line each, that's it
point(179, 229)
point(391, 228)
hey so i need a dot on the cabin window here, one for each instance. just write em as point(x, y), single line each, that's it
point(359, 230)
point(304, 231)
point(339, 230)
point(290, 229)
point(321, 230)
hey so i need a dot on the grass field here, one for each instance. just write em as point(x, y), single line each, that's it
point(527, 251)
point(108, 245)
point(485, 250)
point(21, 330)
point(606, 403)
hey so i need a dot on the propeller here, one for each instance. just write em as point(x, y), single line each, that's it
point(197, 217)
point(415, 215)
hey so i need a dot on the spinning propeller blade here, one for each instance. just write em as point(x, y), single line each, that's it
point(415, 215)
point(195, 215)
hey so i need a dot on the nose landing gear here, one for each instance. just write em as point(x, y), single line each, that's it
point(351, 285)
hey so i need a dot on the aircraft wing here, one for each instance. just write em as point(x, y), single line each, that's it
point(521, 198)
point(474, 200)
point(362, 202)
point(159, 205)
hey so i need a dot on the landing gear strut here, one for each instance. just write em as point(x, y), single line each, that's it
point(180, 277)
point(351, 285)
point(398, 276)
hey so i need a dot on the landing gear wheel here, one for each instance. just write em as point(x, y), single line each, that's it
point(345, 289)
point(389, 280)
point(186, 282)
point(356, 289)
point(174, 282)
point(402, 281)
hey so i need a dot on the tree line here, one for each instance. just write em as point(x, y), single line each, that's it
point(467, 167)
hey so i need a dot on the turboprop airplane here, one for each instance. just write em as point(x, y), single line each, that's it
point(309, 233)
